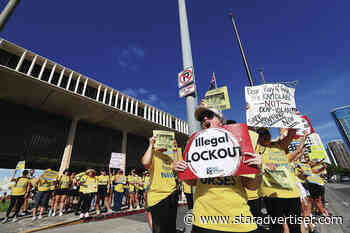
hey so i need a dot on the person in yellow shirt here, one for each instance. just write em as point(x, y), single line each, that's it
point(64, 184)
point(221, 197)
point(140, 191)
point(88, 187)
point(18, 192)
point(162, 197)
point(132, 189)
point(119, 181)
point(275, 159)
point(41, 197)
point(102, 191)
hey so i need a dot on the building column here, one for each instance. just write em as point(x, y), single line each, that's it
point(124, 147)
point(69, 80)
point(32, 65)
point(69, 146)
point(84, 89)
point(77, 84)
point(42, 69)
point(153, 114)
point(104, 95)
point(149, 112)
point(131, 106)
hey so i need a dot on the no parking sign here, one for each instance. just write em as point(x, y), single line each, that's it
point(185, 77)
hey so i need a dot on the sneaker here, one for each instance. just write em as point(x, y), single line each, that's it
point(110, 211)
point(53, 214)
point(14, 219)
point(5, 220)
point(50, 212)
point(33, 218)
point(98, 212)
point(40, 216)
point(81, 215)
point(61, 214)
point(86, 215)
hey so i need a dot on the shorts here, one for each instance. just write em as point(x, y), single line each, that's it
point(62, 192)
point(74, 193)
point(41, 199)
point(315, 190)
point(164, 214)
point(102, 191)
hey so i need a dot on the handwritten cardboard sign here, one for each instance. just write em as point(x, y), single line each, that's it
point(164, 140)
point(271, 105)
point(218, 152)
point(117, 161)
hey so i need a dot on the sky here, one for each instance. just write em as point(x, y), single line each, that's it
point(134, 47)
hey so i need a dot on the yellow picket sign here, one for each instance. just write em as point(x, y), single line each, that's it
point(49, 175)
point(317, 152)
point(21, 165)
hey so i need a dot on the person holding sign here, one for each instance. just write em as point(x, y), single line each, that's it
point(220, 197)
point(162, 196)
point(19, 191)
point(279, 186)
point(118, 181)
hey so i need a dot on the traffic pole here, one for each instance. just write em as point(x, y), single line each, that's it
point(7, 12)
point(191, 100)
point(242, 51)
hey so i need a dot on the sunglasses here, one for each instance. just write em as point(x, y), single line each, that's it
point(207, 114)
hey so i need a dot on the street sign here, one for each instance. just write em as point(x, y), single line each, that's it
point(185, 91)
point(185, 77)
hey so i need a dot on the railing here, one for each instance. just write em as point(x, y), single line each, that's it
point(45, 70)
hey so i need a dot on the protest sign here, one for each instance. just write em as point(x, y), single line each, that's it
point(278, 178)
point(216, 152)
point(117, 161)
point(271, 105)
point(164, 140)
point(217, 98)
point(21, 165)
point(305, 127)
point(49, 175)
point(317, 149)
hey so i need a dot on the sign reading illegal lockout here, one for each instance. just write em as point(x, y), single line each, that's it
point(213, 152)
point(185, 77)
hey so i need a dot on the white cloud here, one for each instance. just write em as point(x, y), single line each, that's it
point(129, 58)
point(130, 92)
point(143, 91)
point(145, 96)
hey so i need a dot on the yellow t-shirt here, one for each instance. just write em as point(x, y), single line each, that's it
point(146, 182)
point(20, 187)
point(275, 155)
point(315, 177)
point(187, 188)
point(252, 194)
point(217, 198)
point(103, 180)
point(52, 184)
point(119, 181)
point(64, 182)
point(88, 184)
point(162, 178)
point(43, 185)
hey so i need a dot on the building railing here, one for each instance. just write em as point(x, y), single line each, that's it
point(43, 69)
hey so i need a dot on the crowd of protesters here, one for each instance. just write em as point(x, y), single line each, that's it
point(157, 189)
point(111, 191)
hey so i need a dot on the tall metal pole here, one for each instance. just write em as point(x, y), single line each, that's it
point(191, 100)
point(262, 75)
point(242, 51)
point(7, 12)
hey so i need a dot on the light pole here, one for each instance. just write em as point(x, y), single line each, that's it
point(7, 12)
point(242, 51)
point(191, 100)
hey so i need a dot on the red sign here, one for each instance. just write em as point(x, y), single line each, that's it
point(208, 163)
point(306, 127)
point(185, 77)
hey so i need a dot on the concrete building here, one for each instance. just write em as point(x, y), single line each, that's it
point(341, 117)
point(339, 151)
point(52, 116)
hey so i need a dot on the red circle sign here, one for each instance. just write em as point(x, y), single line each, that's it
point(186, 76)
